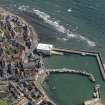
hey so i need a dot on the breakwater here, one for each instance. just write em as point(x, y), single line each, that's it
point(85, 53)
point(65, 70)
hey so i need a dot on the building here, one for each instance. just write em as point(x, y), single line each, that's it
point(44, 48)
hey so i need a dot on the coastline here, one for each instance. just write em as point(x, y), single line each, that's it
point(34, 37)
point(42, 79)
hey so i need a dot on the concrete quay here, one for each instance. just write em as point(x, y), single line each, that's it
point(85, 53)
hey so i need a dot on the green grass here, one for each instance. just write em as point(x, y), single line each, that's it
point(4, 101)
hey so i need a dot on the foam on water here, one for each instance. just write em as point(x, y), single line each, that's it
point(62, 39)
point(69, 10)
point(48, 20)
point(23, 7)
point(71, 35)
point(89, 42)
point(57, 25)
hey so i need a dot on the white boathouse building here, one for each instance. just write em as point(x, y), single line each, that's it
point(45, 48)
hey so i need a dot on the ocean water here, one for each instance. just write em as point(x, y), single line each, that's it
point(72, 24)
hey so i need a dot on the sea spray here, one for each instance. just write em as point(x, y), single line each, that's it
point(57, 26)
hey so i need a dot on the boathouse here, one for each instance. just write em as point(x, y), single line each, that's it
point(45, 48)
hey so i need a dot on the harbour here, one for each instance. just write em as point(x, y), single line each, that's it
point(85, 53)
point(81, 63)
point(89, 36)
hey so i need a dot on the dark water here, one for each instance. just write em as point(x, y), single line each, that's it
point(73, 24)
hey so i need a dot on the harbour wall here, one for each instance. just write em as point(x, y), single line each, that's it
point(85, 53)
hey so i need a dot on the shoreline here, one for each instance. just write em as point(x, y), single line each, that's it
point(34, 37)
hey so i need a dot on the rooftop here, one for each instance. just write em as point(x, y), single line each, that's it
point(42, 46)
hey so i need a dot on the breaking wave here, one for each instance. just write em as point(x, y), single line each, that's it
point(47, 19)
point(91, 43)
point(57, 25)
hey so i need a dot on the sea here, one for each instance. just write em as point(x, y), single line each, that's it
point(69, 24)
